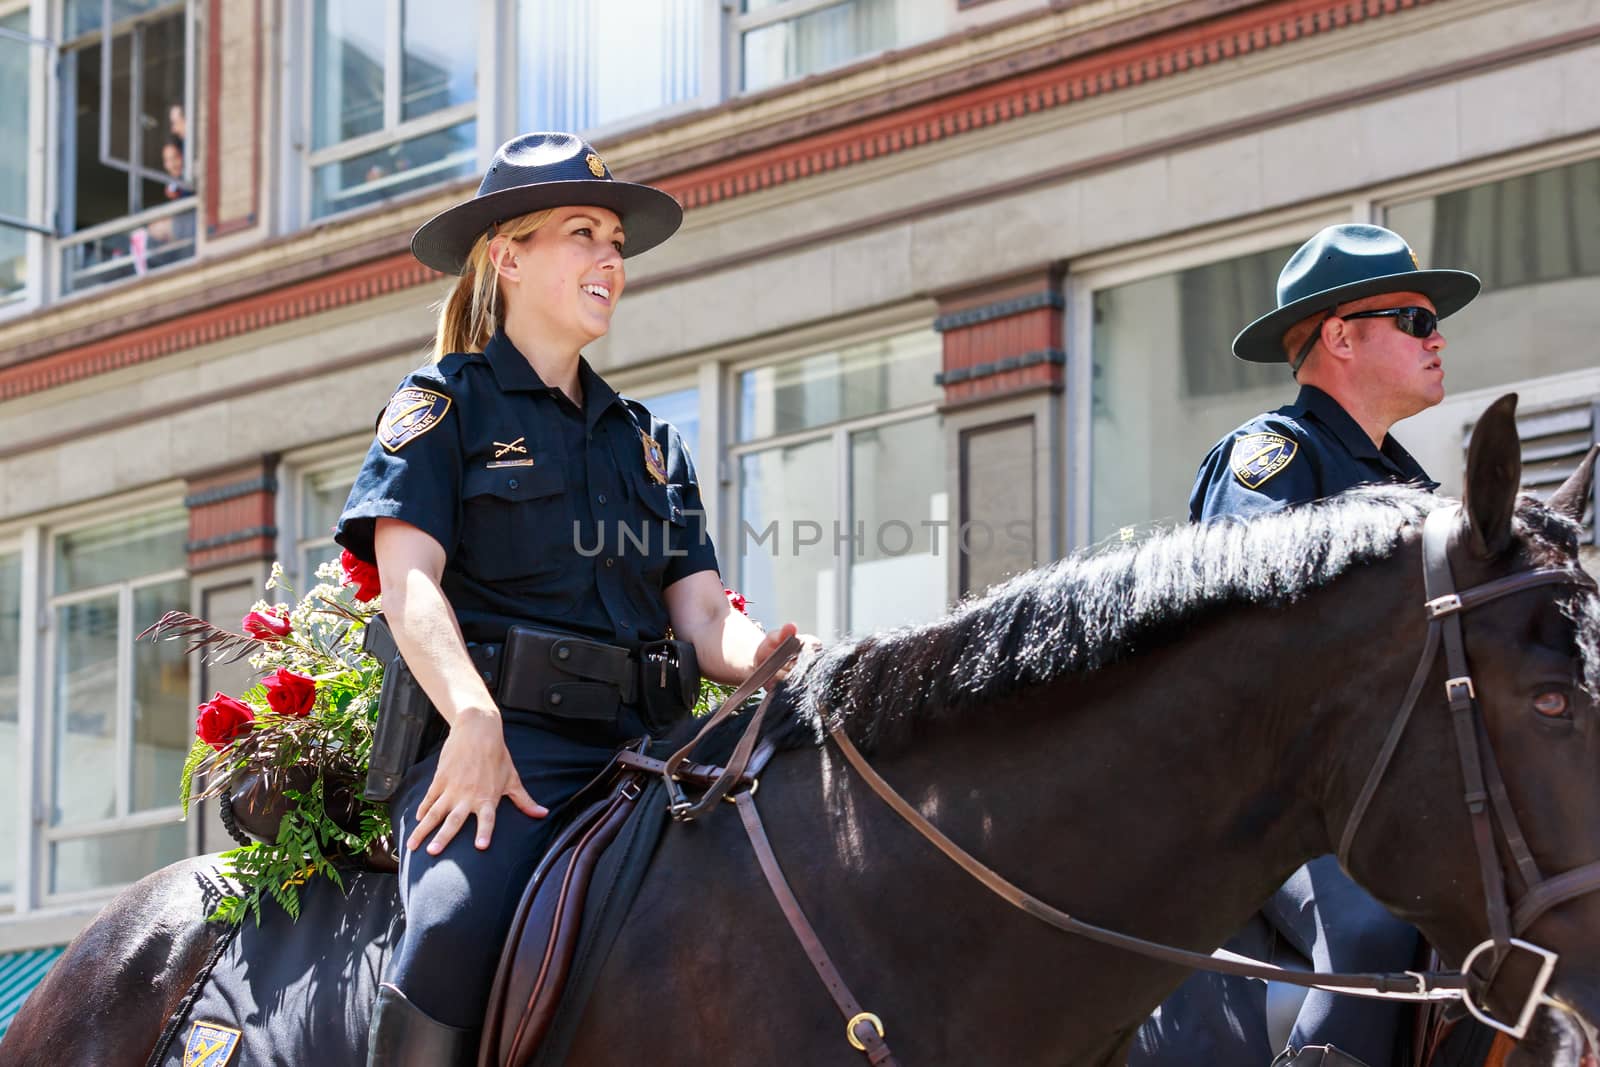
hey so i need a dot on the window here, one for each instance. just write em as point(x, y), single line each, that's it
point(588, 66)
point(393, 100)
point(1166, 385)
point(22, 61)
point(319, 501)
point(681, 407)
point(779, 40)
point(11, 754)
point(1554, 441)
point(127, 192)
point(120, 717)
point(843, 523)
point(1535, 241)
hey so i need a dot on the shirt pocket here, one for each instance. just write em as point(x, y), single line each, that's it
point(515, 523)
point(664, 522)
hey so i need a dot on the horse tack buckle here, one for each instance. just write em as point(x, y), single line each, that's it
point(855, 1020)
point(1536, 994)
point(1440, 606)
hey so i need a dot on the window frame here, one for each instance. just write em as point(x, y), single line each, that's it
point(732, 450)
point(740, 23)
point(37, 227)
point(305, 158)
point(1136, 263)
point(22, 544)
point(60, 244)
point(43, 834)
point(293, 471)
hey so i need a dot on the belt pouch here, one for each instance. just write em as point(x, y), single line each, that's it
point(537, 675)
point(669, 683)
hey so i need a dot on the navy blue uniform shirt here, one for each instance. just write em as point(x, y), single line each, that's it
point(547, 514)
point(1308, 450)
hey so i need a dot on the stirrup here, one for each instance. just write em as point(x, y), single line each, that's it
point(1316, 1056)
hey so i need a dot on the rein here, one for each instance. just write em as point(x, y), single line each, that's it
point(1484, 792)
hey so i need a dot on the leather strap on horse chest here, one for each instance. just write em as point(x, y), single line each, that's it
point(863, 1029)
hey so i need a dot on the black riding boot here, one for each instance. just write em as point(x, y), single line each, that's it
point(1316, 1056)
point(402, 1036)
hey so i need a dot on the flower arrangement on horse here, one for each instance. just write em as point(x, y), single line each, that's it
point(288, 756)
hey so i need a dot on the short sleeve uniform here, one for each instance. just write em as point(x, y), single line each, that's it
point(547, 514)
point(1305, 451)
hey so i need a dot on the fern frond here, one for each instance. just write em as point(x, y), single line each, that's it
point(217, 645)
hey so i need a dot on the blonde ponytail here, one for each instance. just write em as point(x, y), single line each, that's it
point(474, 309)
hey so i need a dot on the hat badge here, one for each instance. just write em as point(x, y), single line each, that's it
point(597, 166)
point(1412, 252)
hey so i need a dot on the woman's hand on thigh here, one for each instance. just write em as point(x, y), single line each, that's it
point(474, 772)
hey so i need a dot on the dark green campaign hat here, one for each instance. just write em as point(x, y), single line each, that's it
point(1341, 264)
point(538, 171)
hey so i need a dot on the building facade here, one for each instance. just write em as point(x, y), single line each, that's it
point(952, 297)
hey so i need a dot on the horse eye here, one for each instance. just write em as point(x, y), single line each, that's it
point(1552, 705)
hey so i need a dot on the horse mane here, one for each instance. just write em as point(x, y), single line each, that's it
point(1091, 610)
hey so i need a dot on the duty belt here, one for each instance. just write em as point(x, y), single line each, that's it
point(556, 673)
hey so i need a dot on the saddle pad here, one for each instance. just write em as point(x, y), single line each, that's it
point(289, 993)
point(616, 880)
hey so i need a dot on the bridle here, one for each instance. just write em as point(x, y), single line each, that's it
point(1485, 797)
point(1485, 793)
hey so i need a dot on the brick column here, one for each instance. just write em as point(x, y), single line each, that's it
point(1002, 339)
point(232, 516)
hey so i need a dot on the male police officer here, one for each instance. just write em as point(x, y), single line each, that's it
point(1357, 320)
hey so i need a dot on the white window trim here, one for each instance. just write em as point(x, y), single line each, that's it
point(25, 547)
point(305, 159)
point(801, 344)
point(713, 86)
point(292, 471)
point(42, 739)
point(41, 174)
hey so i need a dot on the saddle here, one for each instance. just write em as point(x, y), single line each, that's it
point(572, 910)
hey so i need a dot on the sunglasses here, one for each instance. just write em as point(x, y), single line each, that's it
point(1418, 322)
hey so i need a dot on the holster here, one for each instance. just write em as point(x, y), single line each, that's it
point(669, 683)
point(403, 714)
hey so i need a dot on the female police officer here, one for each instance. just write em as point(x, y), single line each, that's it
point(508, 485)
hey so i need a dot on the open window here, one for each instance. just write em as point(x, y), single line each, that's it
point(127, 146)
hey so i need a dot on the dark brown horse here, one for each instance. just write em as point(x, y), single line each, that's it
point(1151, 738)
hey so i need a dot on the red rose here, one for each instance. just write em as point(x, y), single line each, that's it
point(222, 720)
point(290, 695)
point(267, 625)
point(735, 601)
point(361, 574)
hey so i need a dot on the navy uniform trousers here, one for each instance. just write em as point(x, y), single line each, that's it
point(1301, 452)
point(460, 903)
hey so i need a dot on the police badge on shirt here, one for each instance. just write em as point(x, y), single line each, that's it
point(412, 412)
point(1257, 458)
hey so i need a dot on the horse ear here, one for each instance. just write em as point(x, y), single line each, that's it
point(1494, 477)
point(1573, 497)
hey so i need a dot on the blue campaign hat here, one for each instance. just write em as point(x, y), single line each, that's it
point(1345, 263)
point(538, 171)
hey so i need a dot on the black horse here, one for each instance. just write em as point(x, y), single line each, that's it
point(1151, 738)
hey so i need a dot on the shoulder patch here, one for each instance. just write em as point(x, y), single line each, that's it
point(412, 412)
point(210, 1045)
point(1256, 458)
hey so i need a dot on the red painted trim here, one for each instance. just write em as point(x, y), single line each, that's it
point(1144, 60)
point(215, 324)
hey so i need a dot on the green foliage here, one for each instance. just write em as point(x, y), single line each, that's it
point(317, 762)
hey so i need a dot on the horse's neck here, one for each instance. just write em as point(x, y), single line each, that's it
point(1202, 773)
